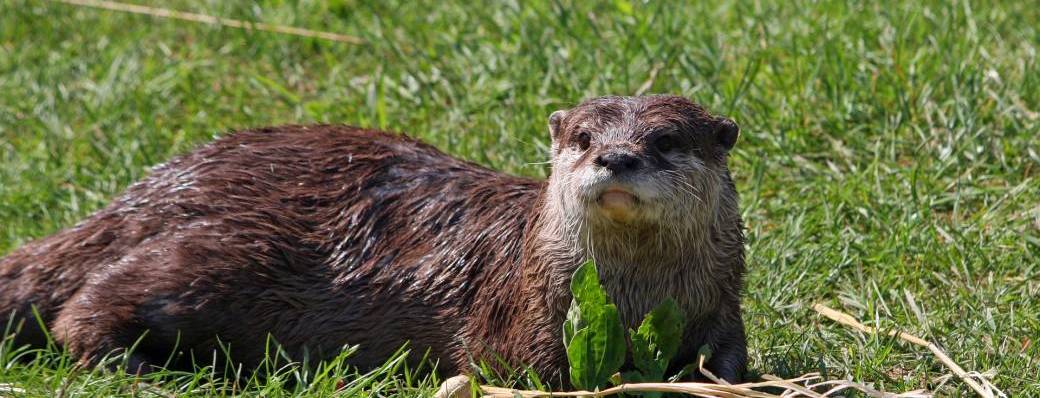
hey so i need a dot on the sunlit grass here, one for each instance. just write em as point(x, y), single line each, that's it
point(888, 162)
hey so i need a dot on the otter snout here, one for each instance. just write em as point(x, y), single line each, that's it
point(621, 180)
point(619, 161)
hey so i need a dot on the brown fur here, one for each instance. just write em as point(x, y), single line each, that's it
point(324, 236)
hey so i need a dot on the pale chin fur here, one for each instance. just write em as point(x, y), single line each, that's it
point(674, 212)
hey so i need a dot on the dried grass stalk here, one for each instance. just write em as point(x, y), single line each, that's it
point(211, 20)
point(981, 385)
point(804, 386)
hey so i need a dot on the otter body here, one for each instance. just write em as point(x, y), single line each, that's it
point(325, 236)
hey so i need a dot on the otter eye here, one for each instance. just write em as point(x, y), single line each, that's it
point(666, 143)
point(584, 140)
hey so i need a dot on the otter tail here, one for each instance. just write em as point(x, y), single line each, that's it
point(39, 277)
point(34, 282)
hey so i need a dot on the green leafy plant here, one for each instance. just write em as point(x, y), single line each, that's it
point(593, 335)
point(595, 338)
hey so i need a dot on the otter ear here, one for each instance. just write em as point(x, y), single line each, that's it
point(726, 132)
point(555, 119)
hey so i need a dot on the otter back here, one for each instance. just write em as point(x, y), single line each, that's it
point(322, 236)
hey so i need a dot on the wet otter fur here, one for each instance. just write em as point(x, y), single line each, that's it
point(325, 236)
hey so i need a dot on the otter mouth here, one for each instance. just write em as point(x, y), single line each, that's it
point(618, 204)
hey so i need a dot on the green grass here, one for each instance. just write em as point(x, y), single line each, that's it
point(889, 160)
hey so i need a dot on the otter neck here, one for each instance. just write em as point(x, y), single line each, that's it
point(639, 266)
point(531, 302)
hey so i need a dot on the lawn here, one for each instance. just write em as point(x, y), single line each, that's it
point(889, 160)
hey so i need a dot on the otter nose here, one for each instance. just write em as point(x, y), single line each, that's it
point(618, 162)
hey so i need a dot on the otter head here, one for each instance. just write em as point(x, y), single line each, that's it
point(639, 177)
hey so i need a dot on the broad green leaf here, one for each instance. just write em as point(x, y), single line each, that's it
point(657, 339)
point(579, 356)
point(587, 302)
point(597, 351)
point(593, 335)
point(644, 356)
point(573, 323)
point(585, 287)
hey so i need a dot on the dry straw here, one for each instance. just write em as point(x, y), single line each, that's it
point(809, 385)
point(980, 384)
point(211, 20)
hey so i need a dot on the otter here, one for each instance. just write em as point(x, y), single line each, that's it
point(323, 236)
